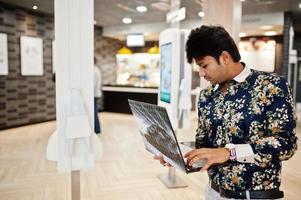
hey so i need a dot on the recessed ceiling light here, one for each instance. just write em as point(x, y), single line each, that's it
point(242, 0)
point(270, 33)
point(127, 20)
point(35, 7)
point(242, 34)
point(300, 5)
point(141, 9)
point(201, 14)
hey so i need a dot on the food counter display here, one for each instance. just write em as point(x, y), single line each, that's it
point(138, 70)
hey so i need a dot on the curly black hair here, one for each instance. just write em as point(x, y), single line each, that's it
point(210, 41)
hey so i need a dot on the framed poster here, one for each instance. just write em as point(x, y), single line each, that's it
point(31, 56)
point(3, 54)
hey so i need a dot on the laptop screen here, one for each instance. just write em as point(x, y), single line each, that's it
point(157, 133)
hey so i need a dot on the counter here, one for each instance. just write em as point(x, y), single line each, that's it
point(130, 89)
point(116, 97)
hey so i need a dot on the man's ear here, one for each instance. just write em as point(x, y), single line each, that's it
point(224, 58)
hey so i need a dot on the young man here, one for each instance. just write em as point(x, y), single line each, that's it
point(247, 122)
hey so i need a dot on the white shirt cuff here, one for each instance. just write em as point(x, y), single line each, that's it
point(244, 153)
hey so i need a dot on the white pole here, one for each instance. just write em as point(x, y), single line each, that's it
point(74, 23)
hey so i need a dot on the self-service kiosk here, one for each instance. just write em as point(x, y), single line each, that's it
point(175, 88)
point(175, 77)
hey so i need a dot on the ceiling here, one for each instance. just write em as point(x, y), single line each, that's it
point(110, 12)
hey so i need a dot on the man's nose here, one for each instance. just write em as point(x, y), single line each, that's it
point(201, 72)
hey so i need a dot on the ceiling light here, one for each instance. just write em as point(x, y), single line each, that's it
point(35, 7)
point(95, 22)
point(201, 14)
point(242, 0)
point(242, 34)
point(127, 20)
point(270, 33)
point(141, 9)
point(300, 5)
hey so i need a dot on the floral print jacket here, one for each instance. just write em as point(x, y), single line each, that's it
point(258, 111)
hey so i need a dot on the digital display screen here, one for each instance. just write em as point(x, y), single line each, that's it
point(165, 72)
point(135, 40)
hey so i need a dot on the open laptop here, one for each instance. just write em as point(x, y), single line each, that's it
point(159, 137)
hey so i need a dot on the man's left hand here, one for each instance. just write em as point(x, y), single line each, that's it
point(211, 155)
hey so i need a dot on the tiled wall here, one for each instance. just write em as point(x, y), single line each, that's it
point(297, 46)
point(26, 99)
point(286, 38)
point(285, 61)
point(105, 51)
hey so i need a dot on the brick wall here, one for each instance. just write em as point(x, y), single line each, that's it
point(297, 46)
point(288, 17)
point(105, 51)
point(26, 99)
point(286, 38)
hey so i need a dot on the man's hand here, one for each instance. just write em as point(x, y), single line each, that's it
point(211, 155)
point(162, 161)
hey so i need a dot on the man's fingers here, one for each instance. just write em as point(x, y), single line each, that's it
point(188, 153)
point(160, 158)
point(199, 154)
point(162, 162)
point(195, 159)
point(167, 164)
point(156, 157)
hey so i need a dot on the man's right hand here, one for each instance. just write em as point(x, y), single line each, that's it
point(162, 161)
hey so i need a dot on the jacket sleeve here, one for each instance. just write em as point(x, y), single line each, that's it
point(279, 142)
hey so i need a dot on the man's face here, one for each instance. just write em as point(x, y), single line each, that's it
point(211, 70)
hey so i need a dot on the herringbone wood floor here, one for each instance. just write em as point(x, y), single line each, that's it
point(126, 172)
